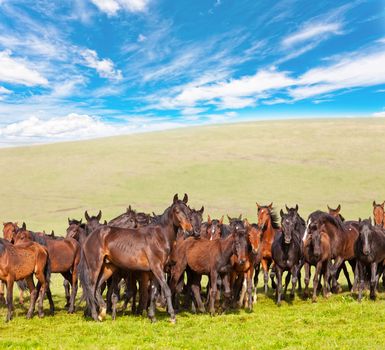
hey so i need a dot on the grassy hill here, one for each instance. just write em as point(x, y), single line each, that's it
point(227, 168)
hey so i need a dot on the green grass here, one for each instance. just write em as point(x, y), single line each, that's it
point(226, 168)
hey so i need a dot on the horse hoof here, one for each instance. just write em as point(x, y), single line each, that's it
point(29, 316)
point(173, 320)
point(102, 314)
point(314, 299)
point(41, 314)
point(153, 320)
point(279, 303)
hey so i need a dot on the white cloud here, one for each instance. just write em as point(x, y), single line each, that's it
point(105, 67)
point(312, 31)
point(359, 70)
point(75, 127)
point(236, 93)
point(16, 71)
point(141, 38)
point(4, 91)
point(111, 7)
point(379, 114)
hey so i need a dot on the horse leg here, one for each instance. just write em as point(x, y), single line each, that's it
point(195, 280)
point(257, 267)
point(157, 270)
point(10, 299)
point(278, 290)
point(272, 274)
point(316, 280)
point(227, 290)
point(287, 281)
point(265, 269)
point(213, 291)
point(153, 296)
point(2, 298)
point(106, 272)
point(307, 280)
point(74, 284)
point(361, 276)
point(373, 280)
point(66, 285)
point(294, 279)
point(242, 295)
point(326, 274)
point(249, 279)
point(347, 276)
point(353, 264)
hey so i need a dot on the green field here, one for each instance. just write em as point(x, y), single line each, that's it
point(227, 168)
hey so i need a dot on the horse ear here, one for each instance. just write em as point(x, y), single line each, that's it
point(185, 198)
point(338, 208)
point(359, 220)
point(374, 203)
point(86, 216)
point(221, 220)
point(99, 216)
point(80, 222)
point(296, 207)
point(287, 208)
point(246, 223)
point(208, 219)
point(281, 213)
point(202, 209)
point(240, 217)
point(370, 220)
point(258, 206)
point(175, 199)
point(129, 208)
point(270, 206)
point(24, 226)
point(105, 223)
point(382, 205)
point(228, 217)
point(69, 220)
point(329, 208)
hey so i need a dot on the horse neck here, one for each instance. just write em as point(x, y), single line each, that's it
point(269, 232)
point(169, 230)
point(227, 247)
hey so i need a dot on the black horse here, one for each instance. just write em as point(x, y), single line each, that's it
point(370, 252)
point(287, 249)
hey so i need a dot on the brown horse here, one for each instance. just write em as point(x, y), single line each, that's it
point(379, 214)
point(209, 257)
point(143, 249)
point(22, 261)
point(9, 231)
point(268, 227)
point(64, 255)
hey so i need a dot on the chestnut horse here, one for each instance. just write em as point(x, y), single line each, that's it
point(379, 214)
point(143, 249)
point(22, 261)
point(64, 256)
point(210, 257)
point(9, 231)
point(268, 227)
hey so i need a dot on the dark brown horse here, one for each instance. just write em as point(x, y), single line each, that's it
point(93, 222)
point(125, 220)
point(268, 226)
point(64, 256)
point(143, 249)
point(22, 261)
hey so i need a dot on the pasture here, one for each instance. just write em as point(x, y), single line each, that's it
point(227, 168)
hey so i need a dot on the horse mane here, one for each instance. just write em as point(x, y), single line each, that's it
point(274, 219)
point(327, 218)
point(3, 244)
point(38, 238)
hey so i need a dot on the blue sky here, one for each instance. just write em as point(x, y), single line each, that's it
point(88, 68)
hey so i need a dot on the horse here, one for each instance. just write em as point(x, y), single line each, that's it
point(142, 249)
point(64, 256)
point(212, 229)
point(9, 231)
point(211, 257)
point(93, 222)
point(125, 220)
point(287, 250)
point(268, 227)
point(379, 214)
point(370, 252)
point(22, 261)
point(317, 252)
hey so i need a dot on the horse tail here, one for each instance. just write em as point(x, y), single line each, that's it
point(47, 271)
point(85, 281)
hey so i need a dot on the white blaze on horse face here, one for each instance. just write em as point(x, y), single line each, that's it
point(306, 231)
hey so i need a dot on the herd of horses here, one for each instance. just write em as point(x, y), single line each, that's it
point(163, 257)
